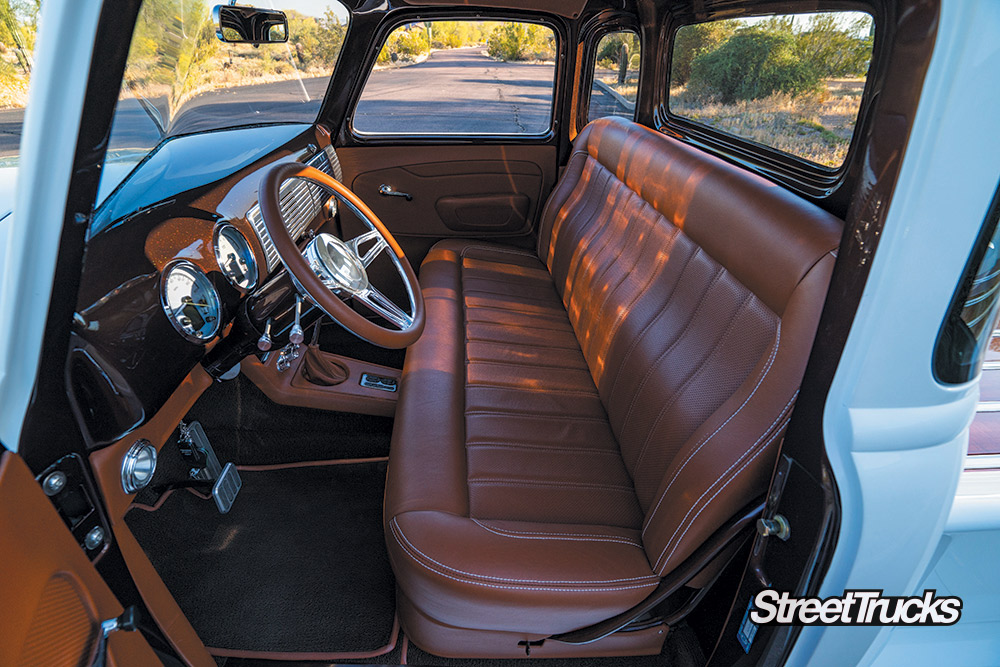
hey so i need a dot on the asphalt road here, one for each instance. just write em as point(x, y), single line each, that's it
point(455, 91)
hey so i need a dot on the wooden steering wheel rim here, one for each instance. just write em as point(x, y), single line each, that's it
point(299, 267)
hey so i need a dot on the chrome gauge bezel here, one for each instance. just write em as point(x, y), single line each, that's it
point(212, 296)
point(236, 237)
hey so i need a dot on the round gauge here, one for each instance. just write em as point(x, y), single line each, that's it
point(190, 301)
point(235, 257)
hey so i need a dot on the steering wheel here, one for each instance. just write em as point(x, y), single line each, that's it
point(329, 268)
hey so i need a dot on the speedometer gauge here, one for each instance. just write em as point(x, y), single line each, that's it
point(190, 301)
point(235, 257)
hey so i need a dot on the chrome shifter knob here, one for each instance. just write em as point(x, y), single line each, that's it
point(264, 342)
point(297, 335)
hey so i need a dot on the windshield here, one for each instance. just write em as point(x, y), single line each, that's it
point(181, 79)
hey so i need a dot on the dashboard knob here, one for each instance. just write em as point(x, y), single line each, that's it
point(264, 342)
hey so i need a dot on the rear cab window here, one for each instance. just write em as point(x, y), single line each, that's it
point(791, 82)
point(461, 77)
point(616, 76)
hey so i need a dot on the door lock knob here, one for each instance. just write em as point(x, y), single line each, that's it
point(778, 526)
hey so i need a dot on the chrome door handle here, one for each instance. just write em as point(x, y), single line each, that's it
point(388, 191)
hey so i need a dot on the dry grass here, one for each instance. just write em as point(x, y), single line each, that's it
point(628, 90)
point(817, 128)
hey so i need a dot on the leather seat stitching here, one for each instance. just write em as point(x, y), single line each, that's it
point(398, 533)
point(535, 415)
point(509, 251)
point(760, 381)
point(680, 539)
point(735, 463)
point(608, 263)
point(552, 313)
point(582, 451)
point(676, 341)
point(531, 390)
point(661, 313)
point(696, 373)
point(547, 345)
point(641, 291)
point(524, 364)
point(591, 193)
point(531, 483)
point(559, 537)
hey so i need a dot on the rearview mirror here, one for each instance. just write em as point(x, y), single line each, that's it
point(240, 24)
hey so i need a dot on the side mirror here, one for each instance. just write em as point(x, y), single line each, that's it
point(240, 24)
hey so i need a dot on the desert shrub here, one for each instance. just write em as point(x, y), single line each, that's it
point(610, 47)
point(521, 41)
point(406, 43)
point(752, 64)
point(692, 41)
point(836, 49)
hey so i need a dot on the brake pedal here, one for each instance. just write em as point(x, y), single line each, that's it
point(226, 487)
point(205, 467)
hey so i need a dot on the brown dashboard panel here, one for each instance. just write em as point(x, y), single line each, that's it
point(292, 388)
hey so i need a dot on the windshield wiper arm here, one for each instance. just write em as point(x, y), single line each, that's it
point(150, 109)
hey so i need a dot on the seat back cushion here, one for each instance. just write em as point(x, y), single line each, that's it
point(694, 288)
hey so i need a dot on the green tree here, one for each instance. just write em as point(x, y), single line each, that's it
point(836, 47)
point(692, 41)
point(511, 41)
point(753, 63)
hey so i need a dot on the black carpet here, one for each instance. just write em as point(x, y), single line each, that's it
point(247, 428)
point(298, 564)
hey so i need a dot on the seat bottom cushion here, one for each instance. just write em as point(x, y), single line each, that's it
point(513, 512)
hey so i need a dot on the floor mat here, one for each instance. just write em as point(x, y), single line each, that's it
point(247, 428)
point(297, 566)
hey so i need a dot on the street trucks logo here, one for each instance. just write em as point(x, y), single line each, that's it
point(855, 607)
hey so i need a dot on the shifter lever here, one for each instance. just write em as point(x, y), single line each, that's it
point(297, 335)
point(264, 342)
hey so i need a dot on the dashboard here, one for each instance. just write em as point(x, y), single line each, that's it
point(175, 258)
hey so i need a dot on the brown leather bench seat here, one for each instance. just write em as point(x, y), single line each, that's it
point(575, 422)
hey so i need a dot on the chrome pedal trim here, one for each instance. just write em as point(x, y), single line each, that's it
point(226, 487)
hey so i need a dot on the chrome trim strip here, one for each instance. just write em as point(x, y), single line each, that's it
point(988, 406)
point(300, 202)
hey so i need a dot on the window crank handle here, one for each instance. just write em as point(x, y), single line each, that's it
point(388, 191)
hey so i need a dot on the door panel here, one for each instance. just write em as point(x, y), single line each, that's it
point(53, 598)
point(490, 192)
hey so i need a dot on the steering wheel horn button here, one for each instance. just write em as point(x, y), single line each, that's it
point(336, 264)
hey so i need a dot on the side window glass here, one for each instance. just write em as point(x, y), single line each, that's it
point(790, 82)
point(616, 76)
point(461, 77)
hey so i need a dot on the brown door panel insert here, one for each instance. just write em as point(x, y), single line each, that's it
point(484, 213)
point(430, 184)
point(53, 598)
point(489, 192)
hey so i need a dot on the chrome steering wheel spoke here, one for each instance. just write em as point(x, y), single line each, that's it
point(383, 306)
point(368, 256)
